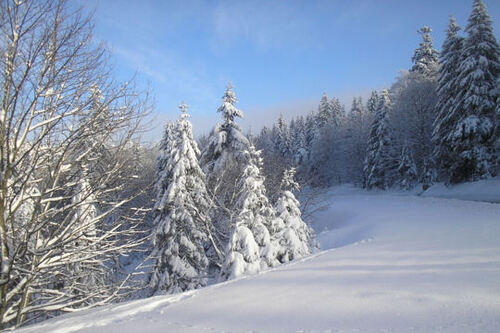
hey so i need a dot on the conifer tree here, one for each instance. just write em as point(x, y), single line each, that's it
point(250, 248)
point(223, 161)
point(226, 142)
point(337, 111)
point(282, 137)
point(407, 170)
point(298, 138)
point(447, 114)
point(294, 236)
point(378, 161)
point(324, 115)
point(310, 130)
point(181, 213)
point(473, 138)
point(372, 103)
point(428, 175)
point(425, 59)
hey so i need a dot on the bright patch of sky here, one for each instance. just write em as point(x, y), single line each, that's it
point(280, 55)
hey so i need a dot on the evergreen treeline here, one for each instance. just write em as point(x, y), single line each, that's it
point(438, 121)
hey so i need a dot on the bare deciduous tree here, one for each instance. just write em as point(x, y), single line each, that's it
point(65, 136)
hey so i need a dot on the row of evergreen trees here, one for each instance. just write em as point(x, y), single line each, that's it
point(438, 121)
point(213, 219)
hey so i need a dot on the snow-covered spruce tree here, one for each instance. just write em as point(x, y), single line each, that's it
point(372, 103)
point(298, 139)
point(281, 137)
point(181, 214)
point(378, 162)
point(310, 130)
point(428, 175)
point(447, 114)
point(250, 247)
point(223, 161)
point(294, 237)
point(338, 112)
point(473, 137)
point(406, 170)
point(426, 58)
point(324, 114)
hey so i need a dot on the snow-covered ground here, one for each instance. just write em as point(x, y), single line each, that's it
point(389, 263)
point(483, 190)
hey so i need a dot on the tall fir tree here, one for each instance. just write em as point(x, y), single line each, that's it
point(298, 141)
point(378, 161)
point(407, 170)
point(250, 248)
point(310, 130)
point(372, 103)
point(281, 137)
point(474, 136)
point(181, 221)
point(223, 161)
point(426, 58)
point(324, 114)
point(429, 175)
point(226, 143)
point(447, 115)
point(338, 112)
point(294, 235)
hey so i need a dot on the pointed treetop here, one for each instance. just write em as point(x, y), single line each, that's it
point(479, 21)
point(229, 95)
point(228, 110)
point(453, 27)
point(183, 107)
point(385, 100)
point(372, 103)
point(425, 59)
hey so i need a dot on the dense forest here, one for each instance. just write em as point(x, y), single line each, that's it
point(89, 215)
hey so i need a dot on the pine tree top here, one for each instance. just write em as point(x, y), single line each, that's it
point(479, 29)
point(426, 58)
point(384, 101)
point(228, 110)
point(372, 103)
point(479, 17)
point(453, 27)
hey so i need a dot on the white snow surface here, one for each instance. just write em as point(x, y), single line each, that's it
point(482, 190)
point(389, 263)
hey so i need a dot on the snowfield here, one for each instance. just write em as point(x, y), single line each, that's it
point(389, 263)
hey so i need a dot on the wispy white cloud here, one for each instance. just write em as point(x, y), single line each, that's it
point(266, 24)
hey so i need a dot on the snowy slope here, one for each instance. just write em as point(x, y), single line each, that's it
point(482, 190)
point(392, 263)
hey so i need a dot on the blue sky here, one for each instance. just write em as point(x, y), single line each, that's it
point(280, 55)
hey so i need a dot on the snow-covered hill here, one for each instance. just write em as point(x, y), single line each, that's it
point(390, 263)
